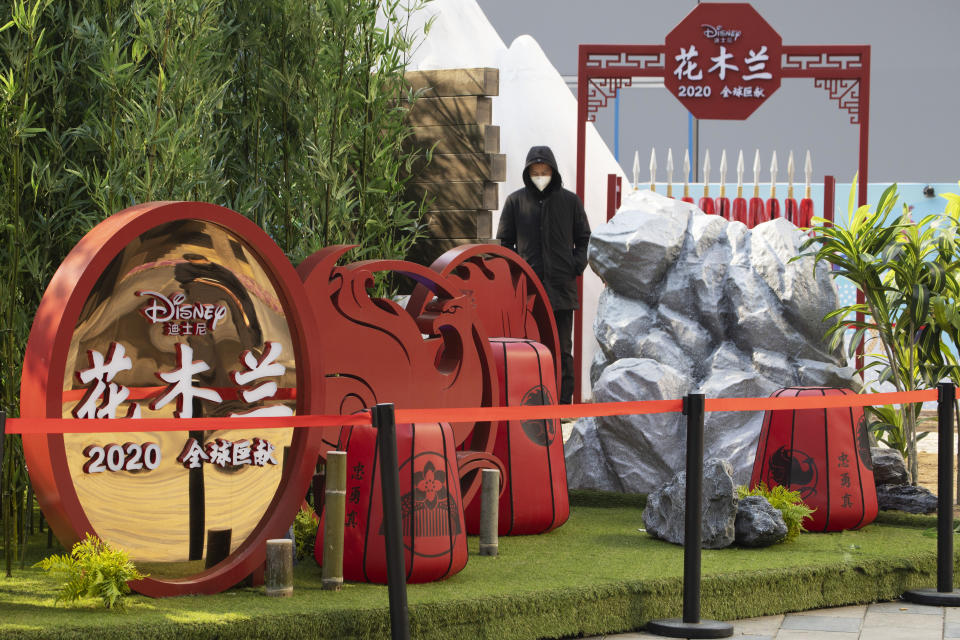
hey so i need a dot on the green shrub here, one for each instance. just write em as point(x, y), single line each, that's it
point(787, 502)
point(305, 533)
point(93, 569)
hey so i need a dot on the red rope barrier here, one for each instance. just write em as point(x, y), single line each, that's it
point(32, 426)
point(541, 412)
point(820, 402)
point(36, 426)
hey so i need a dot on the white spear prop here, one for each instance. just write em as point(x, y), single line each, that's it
point(723, 202)
point(773, 205)
point(653, 169)
point(636, 170)
point(706, 202)
point(755, 214)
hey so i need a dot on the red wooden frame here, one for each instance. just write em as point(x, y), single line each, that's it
point(842, 70)
point(45, 364)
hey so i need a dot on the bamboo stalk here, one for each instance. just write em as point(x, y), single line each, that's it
point(335, 504)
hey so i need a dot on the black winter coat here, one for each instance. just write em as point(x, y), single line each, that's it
point(549, 229)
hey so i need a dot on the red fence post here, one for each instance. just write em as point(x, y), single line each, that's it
point(829, 193)
point(611, 195)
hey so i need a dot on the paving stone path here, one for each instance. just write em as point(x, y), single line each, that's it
point(881, 621)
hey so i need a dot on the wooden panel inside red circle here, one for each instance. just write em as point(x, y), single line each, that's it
point(534, 499)
point(205, 265)
point(825, 455)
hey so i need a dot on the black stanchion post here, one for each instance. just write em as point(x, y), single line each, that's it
point(383, 420)
point(693, 519)
point(691, 626)
point(3, 436)
point(944, 595)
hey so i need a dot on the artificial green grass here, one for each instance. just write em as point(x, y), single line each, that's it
point(596, 574)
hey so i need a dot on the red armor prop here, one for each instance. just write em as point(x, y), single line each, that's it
point(434, 533)
point(534, 497)
point(825, 455)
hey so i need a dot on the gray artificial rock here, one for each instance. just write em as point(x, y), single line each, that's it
point(822, 373)
point(663, 516)
point(758, 523)
point(790, 280)
point(695, 302)
point(889, 466)
point(732, 435)
point(633, 251)
point(686, 332)
point(905, 497)
point(772, 365)
point(622, 436)
point(600, 362)
point(658, 345)
point(589, 469)
point(619, 320)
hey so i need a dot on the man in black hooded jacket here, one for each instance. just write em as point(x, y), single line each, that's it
point(547, 226)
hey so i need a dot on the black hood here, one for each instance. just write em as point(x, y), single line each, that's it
point(544, 155)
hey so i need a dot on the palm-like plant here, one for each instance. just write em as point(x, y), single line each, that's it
point(902, 267)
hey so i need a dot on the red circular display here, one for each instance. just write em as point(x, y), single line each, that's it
point(78, 286)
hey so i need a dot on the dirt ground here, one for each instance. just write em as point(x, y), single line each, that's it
point(927, 464)
point(926, 461)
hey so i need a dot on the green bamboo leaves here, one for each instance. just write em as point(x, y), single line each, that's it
point(907, 273)
point(315, 114)
point(288, 111)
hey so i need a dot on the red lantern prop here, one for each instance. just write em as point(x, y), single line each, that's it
point(534, 497)
point(434, 533)
point(825, 455)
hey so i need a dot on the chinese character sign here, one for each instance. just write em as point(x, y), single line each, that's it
point(187, 324)
point(723, 61)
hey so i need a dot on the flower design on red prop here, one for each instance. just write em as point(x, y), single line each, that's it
point(431, 483)
point(428, 510)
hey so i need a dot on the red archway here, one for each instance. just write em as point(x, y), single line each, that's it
point(842, 70)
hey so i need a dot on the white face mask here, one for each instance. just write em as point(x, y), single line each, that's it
point(541, 182)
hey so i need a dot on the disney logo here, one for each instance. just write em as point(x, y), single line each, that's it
point(718, 32)
point(164, 309)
